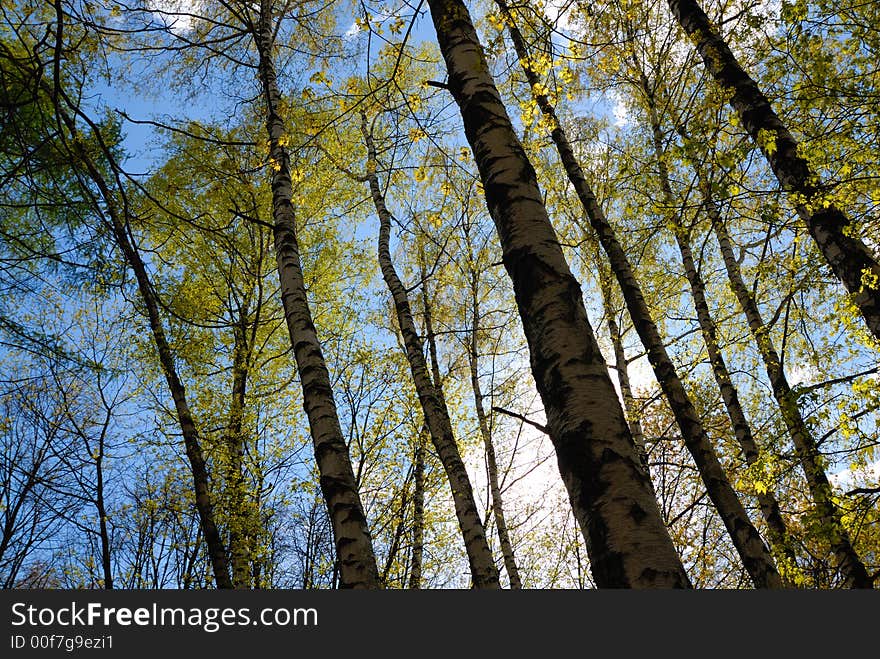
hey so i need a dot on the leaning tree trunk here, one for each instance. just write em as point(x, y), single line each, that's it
point(198, 465)
point(848, 561)
point(119, 229)
point(755, 555)
point(430, 338)
point(491, 460)
point(832, 230)
point(483, 570)
point(610, 492)
point(621, 367)
point(354, 549)
point(777, 530)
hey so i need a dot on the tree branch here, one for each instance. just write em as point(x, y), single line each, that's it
point(534, 424)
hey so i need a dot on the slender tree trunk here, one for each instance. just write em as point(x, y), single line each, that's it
point(621, 367)
point(430, 337)
point(119, 229)
point(357, 561)
point(492, 464)
point(833, 231)
point(418, 543)
point(311, 541)
point(483, 570)
point(610, 492)
point(260, 546)
point(100, 506)
point(777, 531)
point(198, 467)
point(494, 488)
point(397, 536)
point(850, 565)
point(12, 511)
point(239, 517)
point(754, 553)
point(106, 563)
point(190, 560)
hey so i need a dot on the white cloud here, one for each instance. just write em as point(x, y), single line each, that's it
point(802, 374)
point(560, 13)
point(849, 478)
point(352, 30)
point(641, 377)
point(178, 15)
point(619, 110)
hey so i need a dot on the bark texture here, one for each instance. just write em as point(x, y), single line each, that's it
point(610, 492)
point(354, 550)
point(755, 555)
point(482, 565)
point(832, 230)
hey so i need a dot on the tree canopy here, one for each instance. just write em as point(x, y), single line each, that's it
point(520, 294)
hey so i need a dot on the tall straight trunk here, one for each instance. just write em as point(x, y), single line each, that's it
point(101, 507)
point(239, 525)
point(260, 544)
point(850, 565)
point(354, 549)
point(755, 555)
point(777, 530)
point(483, 570)
point(610, 492)
point(621, 367)
point(430, 337)
point(491, 461)
point(100, 502)
point(418, 542)
point(833, 231)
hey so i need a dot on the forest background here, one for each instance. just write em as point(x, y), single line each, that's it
point(316, 294)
